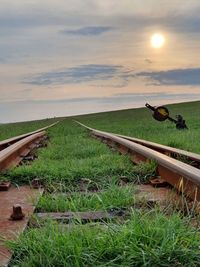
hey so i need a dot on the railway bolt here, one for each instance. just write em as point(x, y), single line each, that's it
point(17, 213)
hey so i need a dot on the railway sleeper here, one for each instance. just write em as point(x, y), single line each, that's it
point(83, 217)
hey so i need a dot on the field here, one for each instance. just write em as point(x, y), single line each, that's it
point(149, 237)
point(14, 129)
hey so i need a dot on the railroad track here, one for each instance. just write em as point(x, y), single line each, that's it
point(16, 208)
point(14, 150)
point(6, 143)
point(184, 177)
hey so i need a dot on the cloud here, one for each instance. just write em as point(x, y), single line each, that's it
point(2, 60)
point(75, 75)
point(149, 61)
point(112, 99)
point(144, 97)
point(138, 16)
point(118, 75)
point(89, 31)
point(184, 77)
point(14, 110)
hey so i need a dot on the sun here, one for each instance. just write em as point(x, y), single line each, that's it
point(157, 40)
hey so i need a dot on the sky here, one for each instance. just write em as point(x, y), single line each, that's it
point(68, 57)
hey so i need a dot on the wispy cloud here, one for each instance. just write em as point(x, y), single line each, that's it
point(145, 97)
point(149, 61)
point(113, 99)
point(64, 107)
point(190, 76)
point(75, 75)
point(118, 75)
point(88, 31)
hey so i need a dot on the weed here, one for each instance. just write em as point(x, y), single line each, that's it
point(147, 239)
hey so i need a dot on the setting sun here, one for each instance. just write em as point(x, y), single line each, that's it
point(157, 40)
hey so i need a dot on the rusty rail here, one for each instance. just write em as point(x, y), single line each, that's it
point(12, 155)
point(182, 176)
point(12, 224)
point(6, 143)
point(167, 150)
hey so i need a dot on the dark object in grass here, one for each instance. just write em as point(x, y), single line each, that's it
point(161, 113)
point(36, 183)
point(180, 123)
point(124, 180)
point(158, 182)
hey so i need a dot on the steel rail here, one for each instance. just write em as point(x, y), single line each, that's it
point(12, 155)
point(167, 150)
point(182, 176)
point(11, 225)
point(7, 142)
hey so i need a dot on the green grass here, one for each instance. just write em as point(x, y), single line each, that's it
point(149, 239)
point(14, 129)
point(72, 154)
point(114, 197)
point(139, 123)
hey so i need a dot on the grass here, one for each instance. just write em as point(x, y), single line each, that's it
point(14, 129)
point(72, 154)
point(139, 123)
point(149, 239)
point(114, 197)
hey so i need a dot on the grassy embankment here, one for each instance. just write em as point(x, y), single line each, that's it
point(14, 129)
point(147, 238)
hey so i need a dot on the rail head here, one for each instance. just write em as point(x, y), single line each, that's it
point(11, 155)
point(83, 125)
point(177, 166)
point(163, 148)
point(183, 169)
point(5, 143)
point(159, 147)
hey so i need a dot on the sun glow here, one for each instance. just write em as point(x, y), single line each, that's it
point(157, 40)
